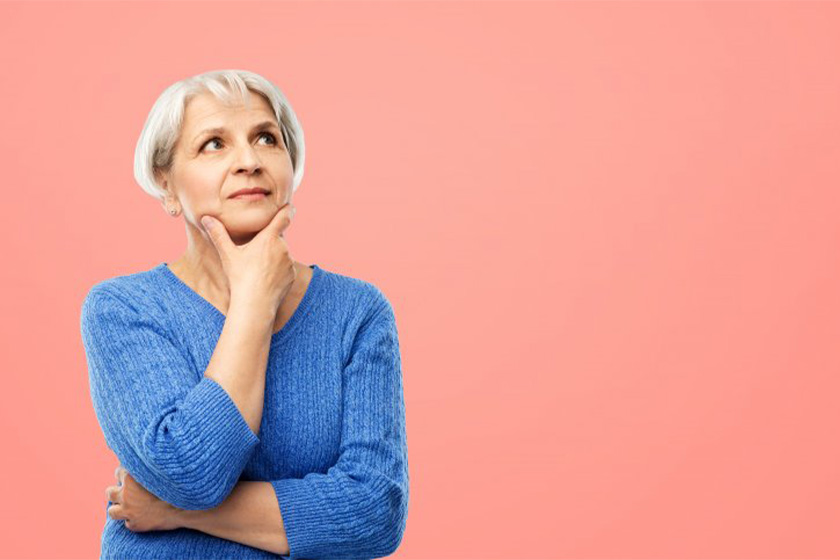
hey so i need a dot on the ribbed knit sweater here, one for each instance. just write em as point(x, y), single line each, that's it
point(332, 440)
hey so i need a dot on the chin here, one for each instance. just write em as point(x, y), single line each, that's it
point(248, 224)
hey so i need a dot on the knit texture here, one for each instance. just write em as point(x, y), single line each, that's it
point(332, 441)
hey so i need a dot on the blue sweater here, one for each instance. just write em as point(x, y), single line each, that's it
point(332, 441)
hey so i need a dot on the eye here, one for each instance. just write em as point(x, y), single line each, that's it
point(270, 135)
point(210, 142)
point(217, 139)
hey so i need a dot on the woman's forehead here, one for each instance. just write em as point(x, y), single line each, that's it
point(207, 111)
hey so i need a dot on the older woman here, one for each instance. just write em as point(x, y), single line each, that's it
point(255, 403)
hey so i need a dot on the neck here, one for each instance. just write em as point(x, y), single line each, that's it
point(202, 267)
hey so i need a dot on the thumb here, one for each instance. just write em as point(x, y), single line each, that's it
point(218, 235)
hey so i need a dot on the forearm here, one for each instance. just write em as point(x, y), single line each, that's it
point(250, 515)
point(239, 361)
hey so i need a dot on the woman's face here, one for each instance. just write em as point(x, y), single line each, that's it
point(209, 166)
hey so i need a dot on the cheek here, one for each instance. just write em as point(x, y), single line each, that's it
point(207, 172)
point(283, 172)
point(203, 190)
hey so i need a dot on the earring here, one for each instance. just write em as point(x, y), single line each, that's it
point(172, 211)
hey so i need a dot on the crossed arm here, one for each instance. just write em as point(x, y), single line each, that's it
point(188, 443)
point(250, 515)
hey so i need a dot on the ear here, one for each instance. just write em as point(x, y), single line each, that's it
point(162, 179)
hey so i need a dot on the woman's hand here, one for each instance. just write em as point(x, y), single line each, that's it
point(141, 510)
point(262, 268)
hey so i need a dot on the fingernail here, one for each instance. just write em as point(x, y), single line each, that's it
point(207, 223)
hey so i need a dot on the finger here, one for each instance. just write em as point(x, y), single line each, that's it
point(281, 220)
point(114, 494)
point(116, 512)
point(121, 473)
point(218, 235)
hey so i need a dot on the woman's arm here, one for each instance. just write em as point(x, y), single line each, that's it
point(357, 509)
point(250, 515)
point(184, 440)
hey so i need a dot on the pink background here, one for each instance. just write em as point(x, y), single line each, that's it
point(609, 231)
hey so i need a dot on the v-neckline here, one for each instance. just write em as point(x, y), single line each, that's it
point(297, 316)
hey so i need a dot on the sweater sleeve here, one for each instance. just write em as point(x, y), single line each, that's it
point(358, 508)
point(183, 440)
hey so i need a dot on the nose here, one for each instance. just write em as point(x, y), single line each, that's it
point(247, 160)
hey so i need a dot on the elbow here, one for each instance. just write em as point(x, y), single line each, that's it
point(182, 499)
point(185, 492)
point(389, 525)
point(206, 499)
point(210, 503)
point(198, 491)
point(392, 538)
point(394, 530)
point(172, 487)
point(194, 477)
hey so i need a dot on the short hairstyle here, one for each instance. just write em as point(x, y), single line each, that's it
point(155, 148)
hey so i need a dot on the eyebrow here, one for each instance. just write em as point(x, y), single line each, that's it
point(221, 130)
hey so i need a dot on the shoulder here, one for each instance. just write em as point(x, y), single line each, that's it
point(362, 308)
point(365, 297)
point(129, 293)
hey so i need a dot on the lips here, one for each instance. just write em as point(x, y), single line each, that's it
point(255, 190)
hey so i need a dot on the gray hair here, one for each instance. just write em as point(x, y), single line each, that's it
point(160, 134)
